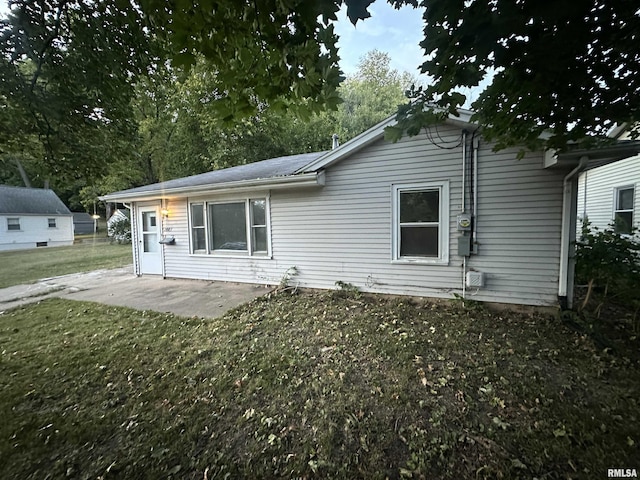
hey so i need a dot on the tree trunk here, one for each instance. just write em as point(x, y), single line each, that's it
point(23, 174)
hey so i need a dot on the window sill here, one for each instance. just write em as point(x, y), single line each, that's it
point(420, 261)
point(223, 255)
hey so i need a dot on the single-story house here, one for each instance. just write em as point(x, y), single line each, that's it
point(435, 215)
point(608, 195)
point(33, 217)
point(83, 223)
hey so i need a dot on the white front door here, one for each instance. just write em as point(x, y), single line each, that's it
point(149, 248)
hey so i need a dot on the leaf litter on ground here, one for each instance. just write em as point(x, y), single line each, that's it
point(311, 385)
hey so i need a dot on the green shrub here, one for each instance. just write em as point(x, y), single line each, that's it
point(609, 264)
point(120, 230)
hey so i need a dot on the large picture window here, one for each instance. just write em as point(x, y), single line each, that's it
point(623, 212)
point(420, 223)
point(228, 226)
point(234, 227)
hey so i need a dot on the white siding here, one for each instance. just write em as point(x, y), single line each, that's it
point(342, 231)
point(596, 191)
point(35, 229)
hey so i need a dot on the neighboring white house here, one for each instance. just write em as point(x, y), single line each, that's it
point(33, 217)
point(118, 215)
point(119, 234)
point(435, 215)
point(609, 195)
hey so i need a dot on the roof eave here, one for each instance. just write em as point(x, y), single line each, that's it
point(596, 157)
point(306, 180)
point(369, 136)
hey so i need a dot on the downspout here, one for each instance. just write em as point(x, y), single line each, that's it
point(134, 238)
point(163, 227)
point(474, 222)
point(462, 210)
point(584, 196)
point(464, 170)
point(568, 235)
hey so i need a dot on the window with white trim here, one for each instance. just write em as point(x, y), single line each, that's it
point(421, 222)
point(13, 224)
point(198, 232)
point(623, 211)
point(51, 222)
point(233, 227)
point(258, 225)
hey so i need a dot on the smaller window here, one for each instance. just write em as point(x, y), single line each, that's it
point(52, 222)
point(198, 234)
point(420, 227)
point(13, 224)
point(259, 226)
point(623, 212)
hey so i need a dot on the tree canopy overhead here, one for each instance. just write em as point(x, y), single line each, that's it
point(567, 68)
point(564, 67)
point(570, 69)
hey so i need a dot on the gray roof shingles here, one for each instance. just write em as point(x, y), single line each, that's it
point(272, 168)
point(30, 201)
point(82, 217)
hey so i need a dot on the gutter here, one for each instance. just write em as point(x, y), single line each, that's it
point(313, 179)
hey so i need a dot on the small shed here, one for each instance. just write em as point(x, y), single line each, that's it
point(83, 223)
point(33, 217)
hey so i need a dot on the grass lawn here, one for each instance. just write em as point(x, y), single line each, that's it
point(28, 266)
point(313, 385)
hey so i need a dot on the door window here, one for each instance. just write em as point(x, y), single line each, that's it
point(149, 232)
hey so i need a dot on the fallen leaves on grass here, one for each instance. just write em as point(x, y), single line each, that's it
point(309, 385)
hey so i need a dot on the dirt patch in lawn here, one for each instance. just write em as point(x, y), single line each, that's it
point(312, 385)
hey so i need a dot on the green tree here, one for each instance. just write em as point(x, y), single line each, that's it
point(371, 95)
point(565, 68)
point(66, 69)
point(180, 135)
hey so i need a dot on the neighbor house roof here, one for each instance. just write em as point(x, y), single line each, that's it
point(266, 172)
point(30, 201)
point(82, 217)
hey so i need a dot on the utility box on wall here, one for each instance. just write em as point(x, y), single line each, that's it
point(464, 245)
point(475, 279)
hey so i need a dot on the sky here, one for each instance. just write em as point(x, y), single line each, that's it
point(396, 32)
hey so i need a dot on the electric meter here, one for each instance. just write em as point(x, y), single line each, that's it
point(464, 222)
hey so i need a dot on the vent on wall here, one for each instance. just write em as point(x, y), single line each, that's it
point(475, 279)
point(41, 244)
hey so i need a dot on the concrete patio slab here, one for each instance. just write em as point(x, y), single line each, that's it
point(120, 287)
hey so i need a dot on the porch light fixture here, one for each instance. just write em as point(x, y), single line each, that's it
point(165, 212)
